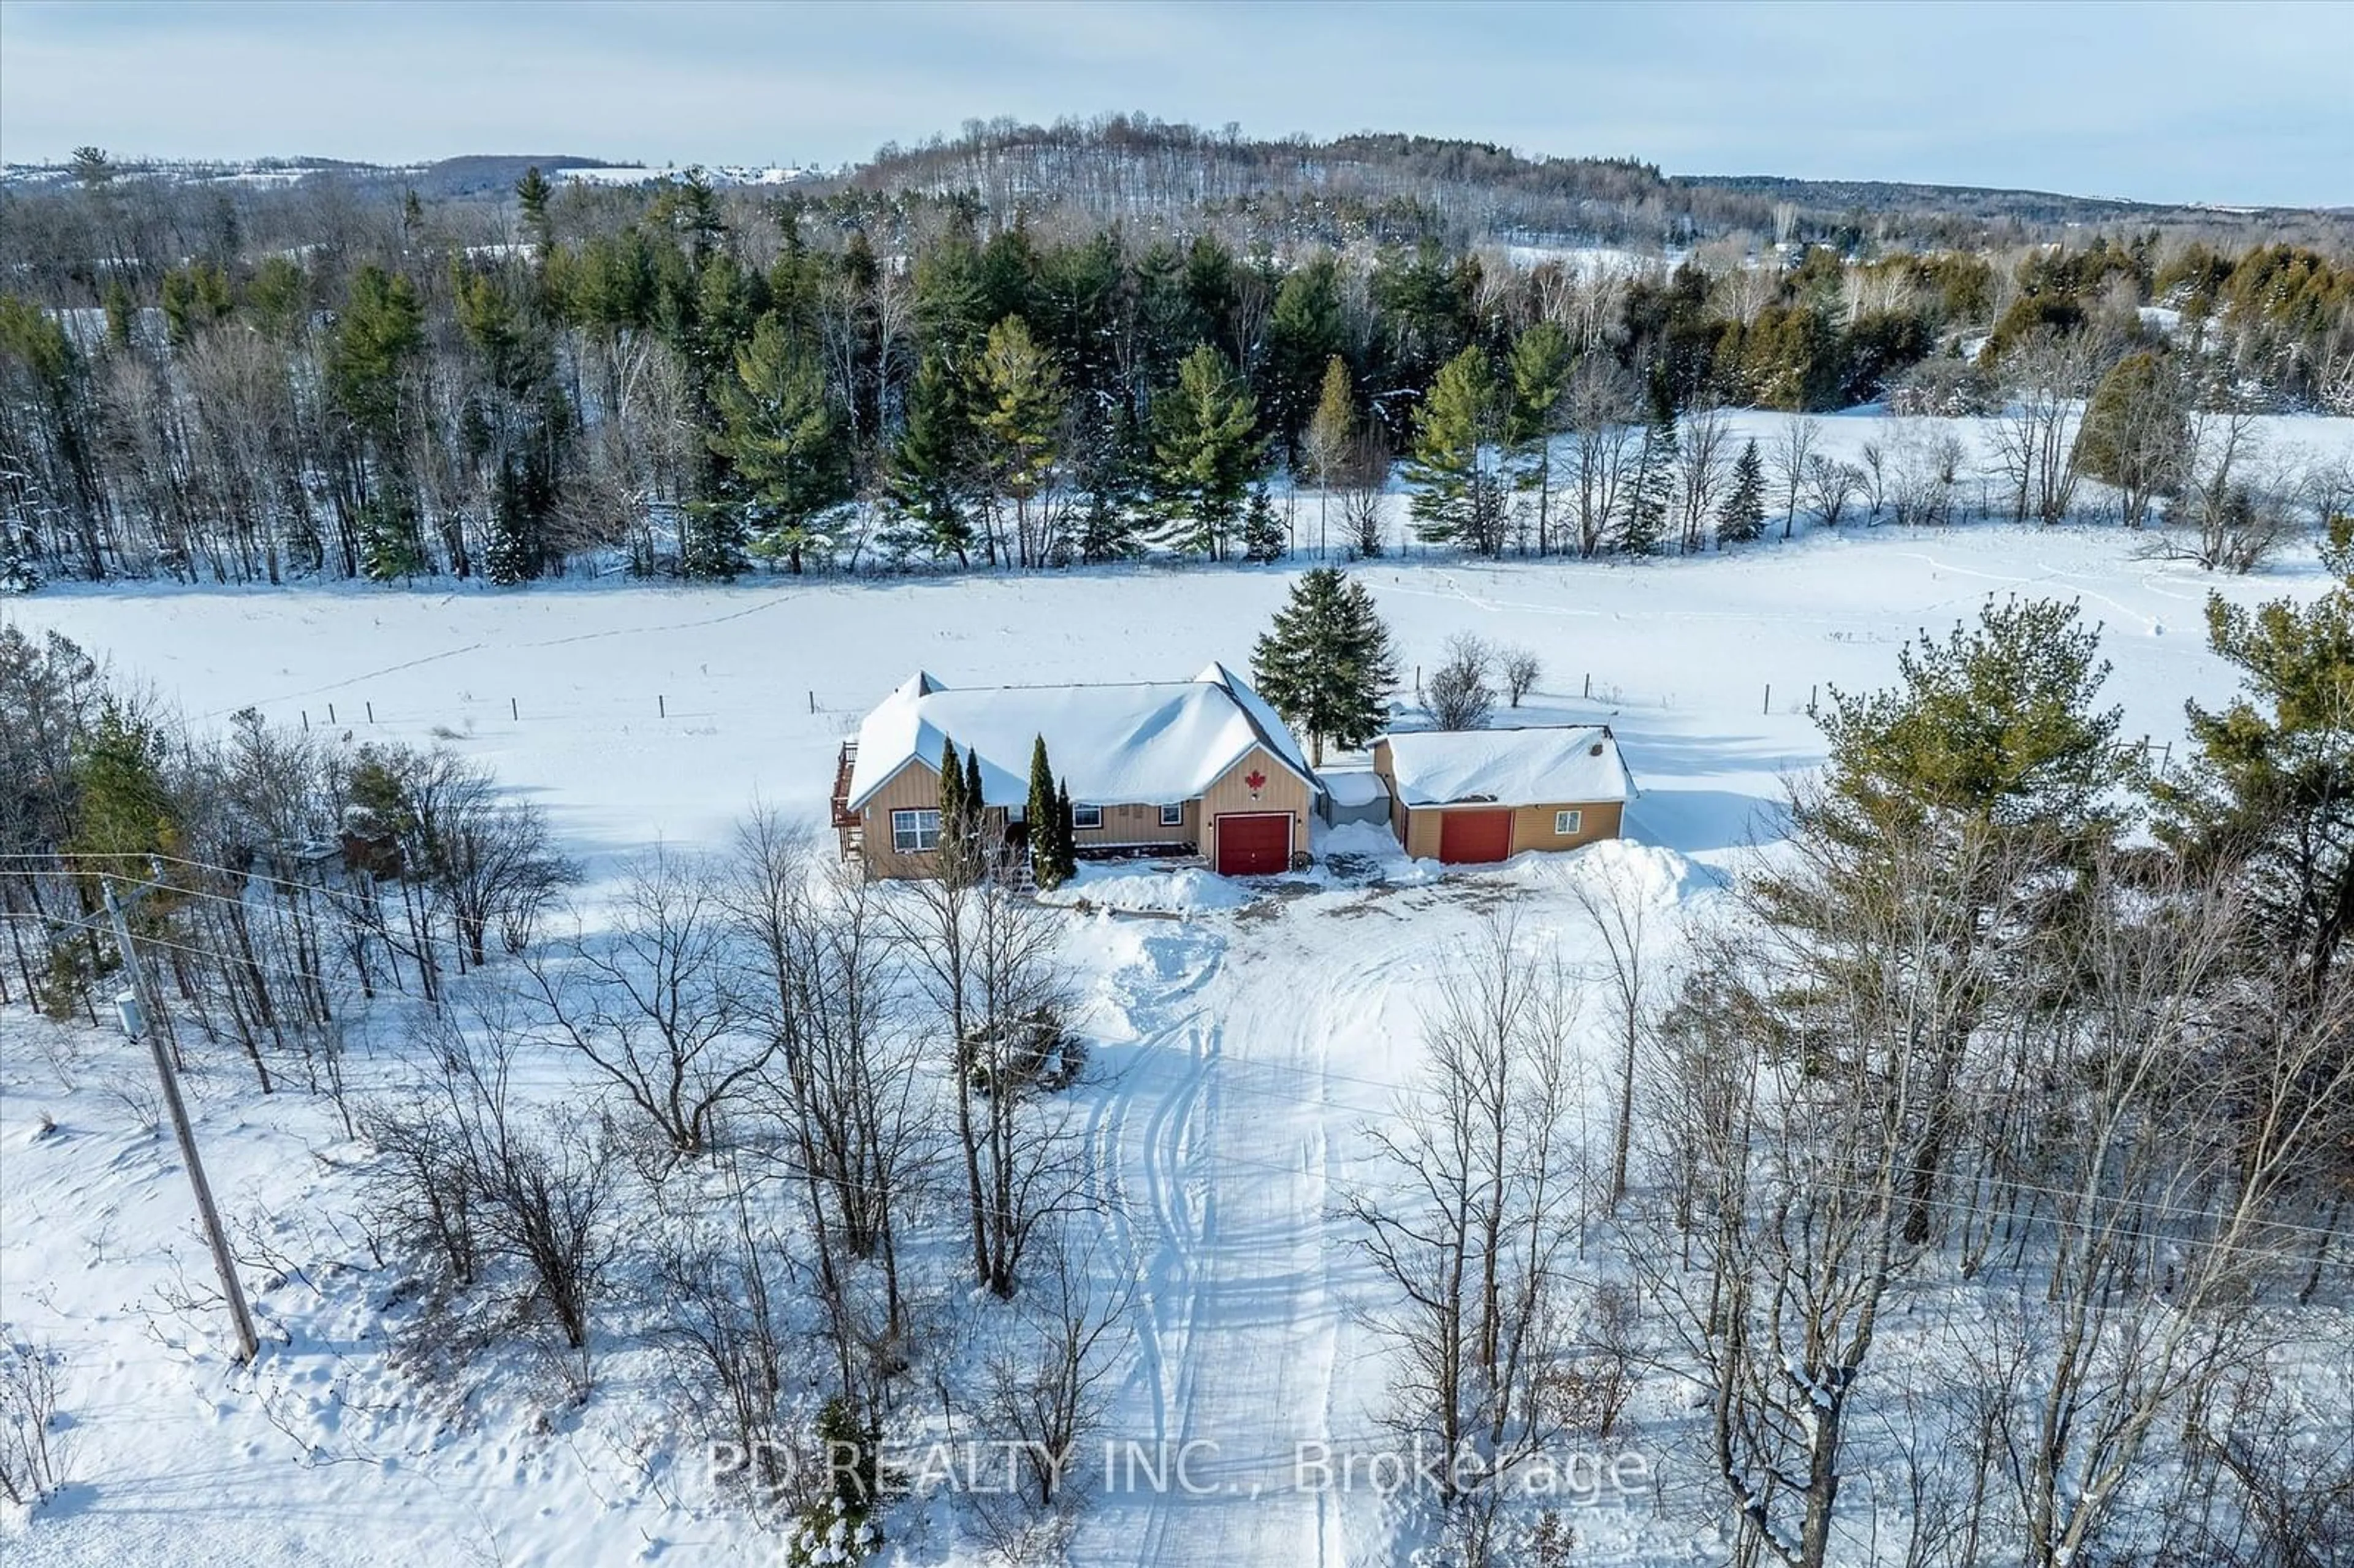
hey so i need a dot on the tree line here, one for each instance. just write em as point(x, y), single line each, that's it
point(693, 381)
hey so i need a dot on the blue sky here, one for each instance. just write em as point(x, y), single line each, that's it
point(2230, 103)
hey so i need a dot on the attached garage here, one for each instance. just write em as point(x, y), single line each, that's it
point(1253, 844)
point(1474, 838)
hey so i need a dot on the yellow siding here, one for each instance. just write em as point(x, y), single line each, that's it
point(1284, 790)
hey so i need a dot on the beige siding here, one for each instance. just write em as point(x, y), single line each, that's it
point(1387, 769)
point(1135, 824)
point(1284, 790)
point(1532, 825)
point(916, 786)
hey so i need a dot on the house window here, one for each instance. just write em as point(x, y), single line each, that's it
point(1569, 821)
point(1086, 816)
point(913, 833)
point(1172, 816)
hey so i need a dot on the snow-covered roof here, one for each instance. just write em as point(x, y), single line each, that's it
point(1537, 765)
point(1150, 742)
point(1354, 787)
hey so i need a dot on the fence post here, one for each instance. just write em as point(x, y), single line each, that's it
point(331, 713)
point(306, 723)
point(371, 711)
point(1589, 683)
point(812, 697)
point(661, 708)
point(1769, 698)
point(513, 712)
point(1812, 692)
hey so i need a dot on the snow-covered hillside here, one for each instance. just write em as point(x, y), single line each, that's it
point(1243, 1039)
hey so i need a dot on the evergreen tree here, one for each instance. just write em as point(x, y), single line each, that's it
point(1990, 759)
point(1305, 334)
point(710, 544)
point(1539, 367)
point(1067, 845)
point(1331, 433)
point(121, 315)
point(931, 466)
point(1263, 536)
point(1742, 516)
point(378, 336)
point(1458, 494)
point(532, 193)
point(784, 439)
point(1653, 489)
point(2271, 786)
point(962, 859)
point(122, 806)
point(1204, 452)
point(1326, 663)
point(389, 548)
point(1017, 411)
point(1045, 851)
point(955, 805)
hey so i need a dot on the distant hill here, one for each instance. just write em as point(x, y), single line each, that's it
point(1387, 187)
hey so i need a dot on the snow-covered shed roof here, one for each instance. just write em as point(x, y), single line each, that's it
point(1536, 765)
point(1147, 742)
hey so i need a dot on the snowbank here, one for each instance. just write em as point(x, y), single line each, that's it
point(1149, 888)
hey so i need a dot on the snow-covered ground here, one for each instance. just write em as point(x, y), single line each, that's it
point(1246, 1037)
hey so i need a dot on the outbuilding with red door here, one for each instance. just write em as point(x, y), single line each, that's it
point(1476, 797)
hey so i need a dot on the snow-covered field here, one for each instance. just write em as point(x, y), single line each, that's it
point(1244, 1038)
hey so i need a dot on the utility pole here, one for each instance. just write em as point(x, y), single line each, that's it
point(127, 1010)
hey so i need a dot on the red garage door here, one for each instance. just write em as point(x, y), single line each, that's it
point(1253, 844)
point(1472, 837)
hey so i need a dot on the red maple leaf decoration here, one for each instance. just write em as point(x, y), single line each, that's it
point(1255, 779)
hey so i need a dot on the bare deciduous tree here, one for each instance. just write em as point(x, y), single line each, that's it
point(1457, 693)
point(1794, 450)
point(1469, 1223)
point(1520, 670)
point(658, 1005)
point(1703, 455)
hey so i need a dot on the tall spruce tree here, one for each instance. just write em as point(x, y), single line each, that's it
point(532, 193)
point(1204, 454)
point(954, 807)
point(1742, 516)
point(1018, 401)
point(1651, 494)
point(1305, 331)
point(930, 472)
point(1066, 846)
point(1459, 495)
point(1327, 663)
point(1331, 437)
point(784, 439)
point(1541, 360)
point(1040, 820)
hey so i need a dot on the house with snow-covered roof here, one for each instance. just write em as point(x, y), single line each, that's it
point(1480, 795)
point(1176, 767)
